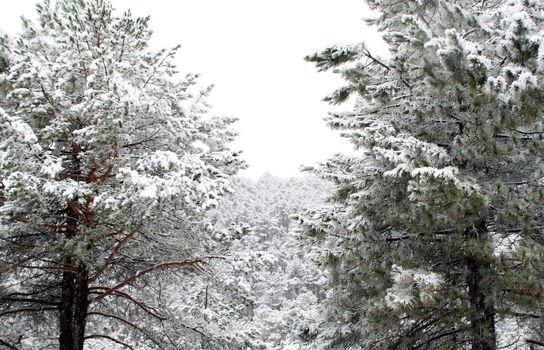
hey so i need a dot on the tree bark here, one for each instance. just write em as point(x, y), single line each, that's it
point(74, 301)
point(482, 308)
point(73, 308)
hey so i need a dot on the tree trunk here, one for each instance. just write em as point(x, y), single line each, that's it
point(73, 308)
point(74, 301)
point(482, 308)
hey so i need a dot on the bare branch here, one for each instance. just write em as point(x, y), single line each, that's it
point(30, 300)
point(10, 266)
point(438, 336)
point(113, 254)
point(48, 268)
point(109, 338)
point(140, 304)
point(535, 342)
point(158, 267)
point(137, 143)
point(377, 61)
point(27, 309)
point(127, 322)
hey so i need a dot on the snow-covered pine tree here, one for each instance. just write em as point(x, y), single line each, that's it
point(106, 158)
point(436, 239)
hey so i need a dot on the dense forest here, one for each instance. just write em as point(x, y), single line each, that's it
point(124, 224)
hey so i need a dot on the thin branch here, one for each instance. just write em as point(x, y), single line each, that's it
point(377, 61)
point(40, 291)
point(525, 315)
point(125, 321)
point(517, 230)
point(206, 298)
point(10, 266)
point(30, 300)
point(436, 337)
point(109, 338)
point(108, 235)
point(141, 273)
point(535, 342)
point(400, 238)
point(429, 321)
point(48, 268)
point(469, 32)
point(27, 309)
point(527, 132)
point(23, 245)
point(155, 69)
point(140, 304)
point(505, 136)
point(194, 329)
point(8, 345)
point(49, 100)
point(137, 143)
point(113, 254)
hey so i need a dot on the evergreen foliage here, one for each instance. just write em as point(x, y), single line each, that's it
point(436, 237)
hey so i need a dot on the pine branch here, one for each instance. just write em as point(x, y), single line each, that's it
point(155, 69)
point(27, 309)
point(10, 266)
point(137, 143)
point(377, 61)
point(29, 300)
point(420, 325)
point(526, 315)
point(194, 329)
point(130, 298)
point(127, 322)
point(48, 268)
point(113, 254)
point(92, 336)
point(8, 345)
point(158, 267)
point(438, 336)
point(534, 342)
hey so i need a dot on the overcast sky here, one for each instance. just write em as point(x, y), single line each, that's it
point(252, 51)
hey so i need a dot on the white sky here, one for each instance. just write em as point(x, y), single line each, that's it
point(252, 51)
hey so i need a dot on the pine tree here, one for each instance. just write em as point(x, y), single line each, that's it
point(435, 240)
point(105, 156)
